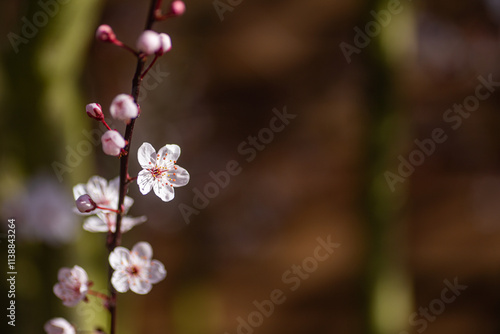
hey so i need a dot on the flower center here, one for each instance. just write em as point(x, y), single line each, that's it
point(157, 172)
point(133, 270)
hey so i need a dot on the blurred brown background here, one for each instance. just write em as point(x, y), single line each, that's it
point(361, 100)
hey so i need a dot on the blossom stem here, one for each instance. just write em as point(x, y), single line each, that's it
point(126, 47)
point(107, 209)
point(98, 295)
point(149, 67)
point(114, 239)
point(105, 124)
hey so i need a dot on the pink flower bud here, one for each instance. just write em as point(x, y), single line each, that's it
point(124, 108)
point(177, 8)
point(149, 42)
point(112, 143)
point(105, 33)
point(94, 111)
point(85, 203)
point(165, 44)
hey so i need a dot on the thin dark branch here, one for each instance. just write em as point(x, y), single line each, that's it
point(114, 239)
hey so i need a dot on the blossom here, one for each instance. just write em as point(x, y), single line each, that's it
point(73, 285)
point(160, 171)
point(177, 8)
point(94, 111)
point(59, 326)
point(165, 44)
point(149, 42)
point(112, 143)
point(85, 204)
point(134, 269)
point(106, 222)
point(105, 33)
point(124, 108)
point(103, 193)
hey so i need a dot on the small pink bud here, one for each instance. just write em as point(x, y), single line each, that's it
point(124, 108)
point(149, 42)
point(112, 143)
point(94, 111)
point(85, 203)
point(165, 44)
point(177, 8)
point(105, 33)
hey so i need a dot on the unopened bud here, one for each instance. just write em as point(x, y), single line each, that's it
point(85, 204)
point(177, 8)
point(165, 44)
point(112, 143)
point(105, 33)
point(149, 42)
point(124, 108)
point(94, 111)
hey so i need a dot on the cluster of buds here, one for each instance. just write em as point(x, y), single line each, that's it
point(105, 203)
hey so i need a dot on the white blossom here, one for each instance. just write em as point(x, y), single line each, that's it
point(106, 222)
point(134, 269)
point(73, 285)
point(124, 108)
point(160, 172)
point(59, 326)
point(104, 194)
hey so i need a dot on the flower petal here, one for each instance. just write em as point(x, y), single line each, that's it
point(157, 271)
point(120, 281)
point(80, 274)
point(97, 188)
point(163, 189)
point(79, 190)
point(140, 286)
point(168, 155)
point(146, 155)
point(180, 177)
point(119, 258)
point(95, 224)
point(143, 249)
point(145, 181)
point(129, 222)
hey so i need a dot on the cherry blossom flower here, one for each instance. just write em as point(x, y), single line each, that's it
point(85, 204)
point(104, 194)
point(149, 42)
point(105, 33)
point(73, 285)
point(112, 143)
point(160, 171)
point(59, 326)
point(106, 222)
point(94, 111)
point(124, 108)
point(165, 44)
point(134, 269)
point(177, 8)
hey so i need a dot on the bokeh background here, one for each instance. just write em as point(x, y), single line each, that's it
point(324, 176)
